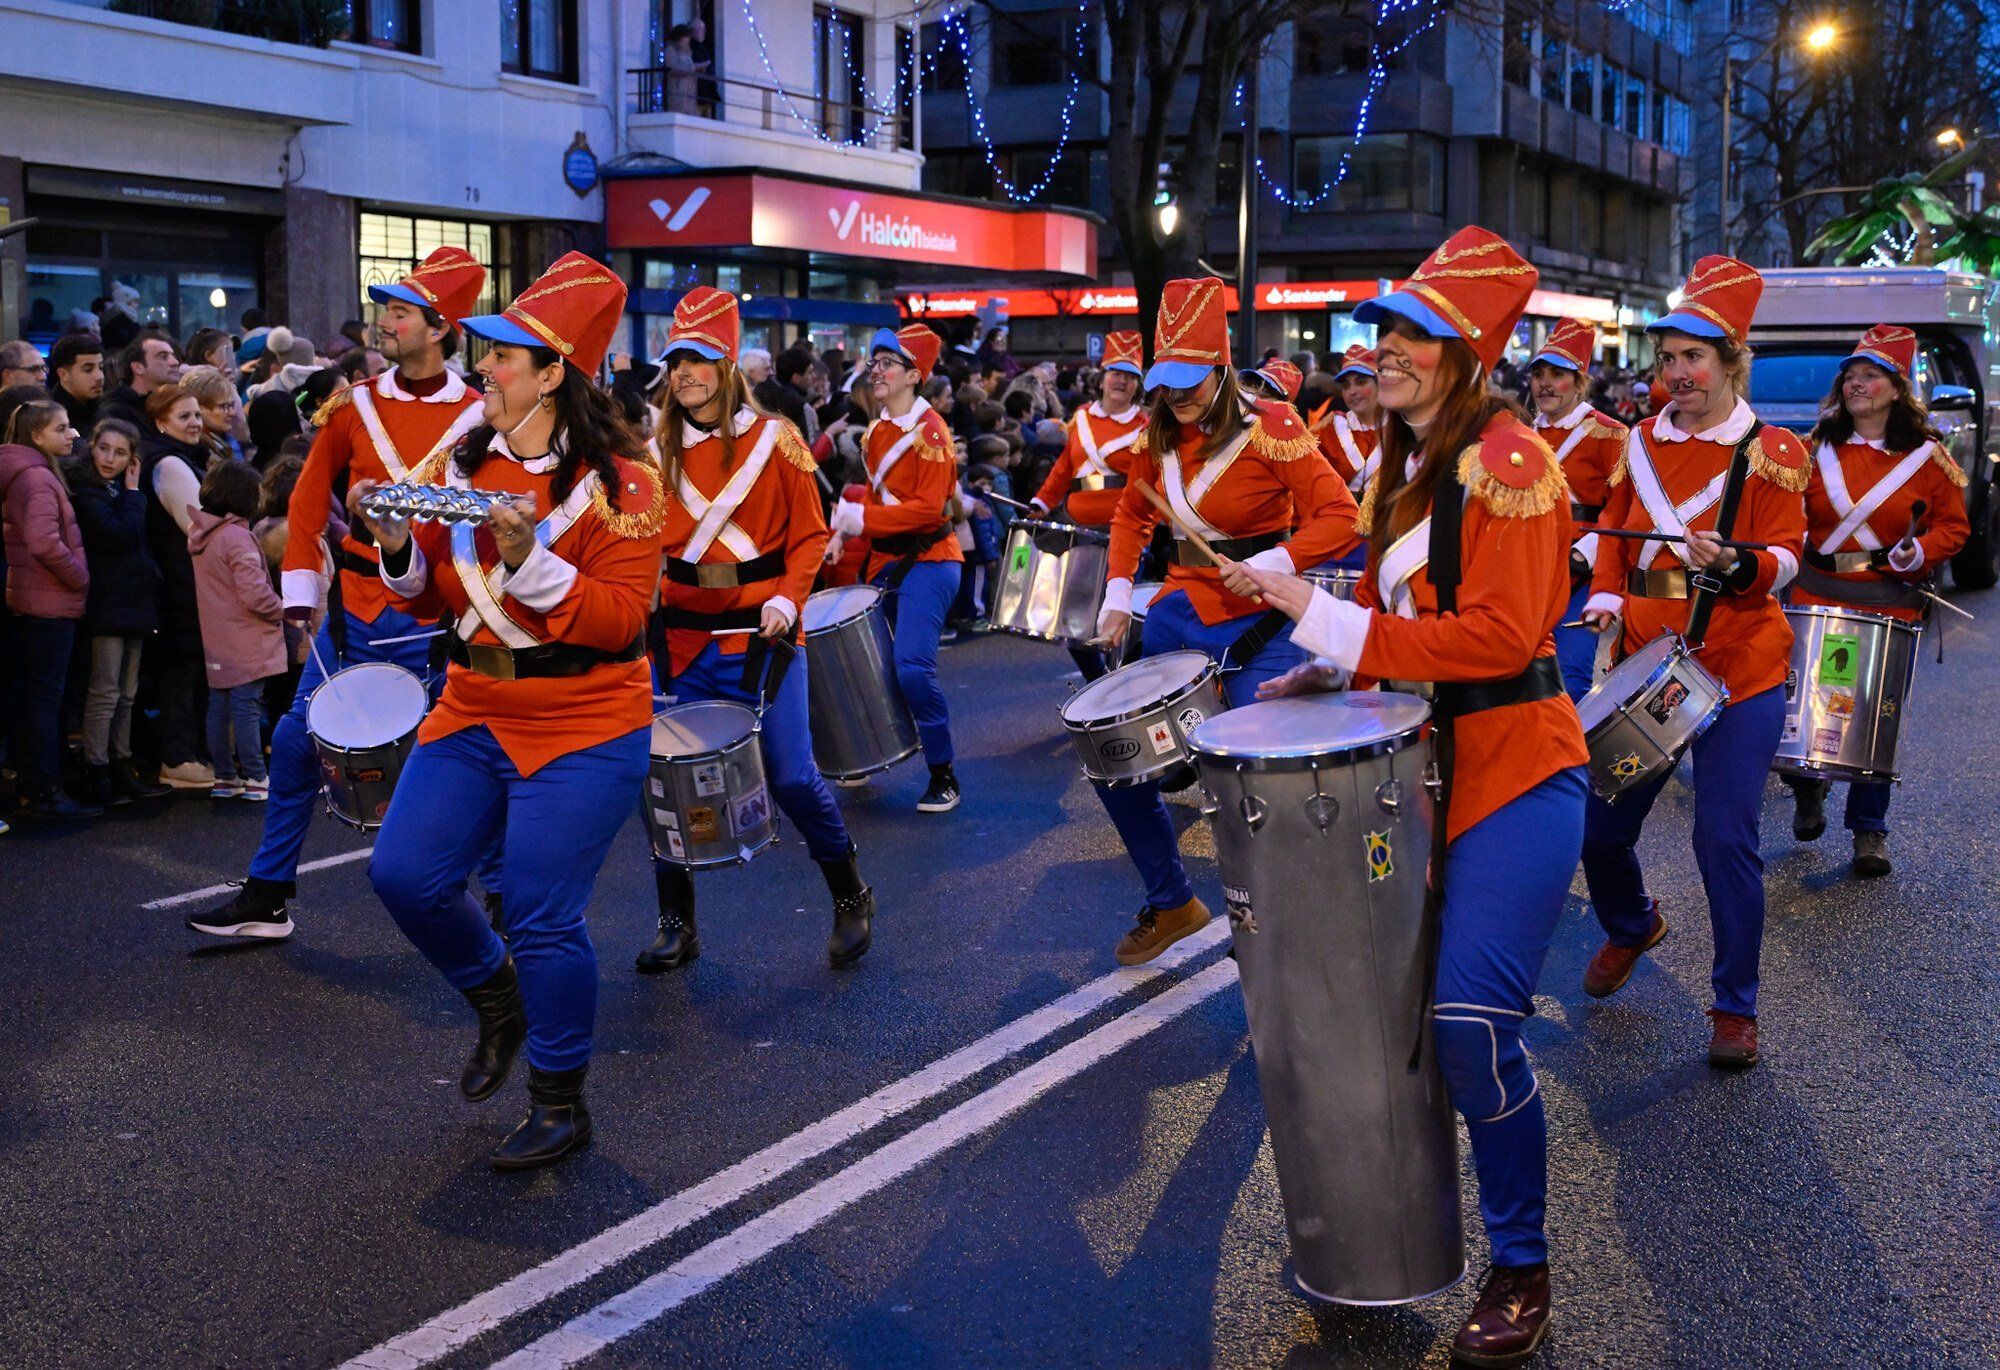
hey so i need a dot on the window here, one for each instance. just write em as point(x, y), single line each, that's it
point(1676, 132)
point(1386, 172)
point(1518, 54)
point(944, 59)
point(1611, 95)
point(538, 38)
point(1334, 47)
point(385, 24)
point(1531, 201)
point(1635, 105)
point(393, 244)
point(906, 89)
point(1583, 83)
point(1038, 47)
point(1589, 220)
point(1554, 69)
point(837, 56)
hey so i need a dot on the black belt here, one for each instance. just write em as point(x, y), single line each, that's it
point(670, 616)
point(1114, 481)
point(1844, 563)
point(912, 544)
point(1671, 583)
point(1542, 680)
point(1236, 549)
point(725, 575)
point(1866, 594)
point(546, 661)
point(1585, 513)
point(354, 563)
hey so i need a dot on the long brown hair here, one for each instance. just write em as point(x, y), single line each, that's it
point(1910, 425)
point(1163, 430)
point(736, 396)
point(1469, 405)
point(591, 432)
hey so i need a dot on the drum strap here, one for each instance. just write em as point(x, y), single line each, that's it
point(1257, 637)
point(1706, 586)
point(765, 662)
point(1446, 570)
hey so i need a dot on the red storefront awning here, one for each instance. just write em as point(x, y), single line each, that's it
point(1113, 301)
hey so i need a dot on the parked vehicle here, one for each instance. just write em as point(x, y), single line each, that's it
point(1808, 320)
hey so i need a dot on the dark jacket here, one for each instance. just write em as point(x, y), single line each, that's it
point(180, 615)
point(124, 582)
point(127, 404)
point(82, 416)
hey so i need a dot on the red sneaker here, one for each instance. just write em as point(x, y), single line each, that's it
point(1613, 966)
point(1732, 1044)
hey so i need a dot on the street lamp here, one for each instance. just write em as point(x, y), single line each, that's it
point(1817, 41)
point(1169, 217)
point(1951, 137)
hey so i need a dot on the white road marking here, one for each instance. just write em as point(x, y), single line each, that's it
point(324, 863)
point(659, 1294)
point(455, 1327)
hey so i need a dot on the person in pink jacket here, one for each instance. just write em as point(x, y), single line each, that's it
point(47, 584)
point(242, 625)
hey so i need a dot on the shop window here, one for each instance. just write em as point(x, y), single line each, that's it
point(944, 59)
point(393, 24)
point(1385, 172)
point(1038, 47)
point(538, 38)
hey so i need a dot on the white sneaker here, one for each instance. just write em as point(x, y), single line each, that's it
point(852, 782)
point(225, 789)
point(189, 775)
point(256, 791)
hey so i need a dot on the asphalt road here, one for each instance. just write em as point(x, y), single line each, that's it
point(259, 1157)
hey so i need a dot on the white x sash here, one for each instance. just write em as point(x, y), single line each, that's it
point(1854, 516)
point(482, 587)
point(385, 447)
point(1186, 498)
point(897, 451)
point(1406, 556)
point(1667, 516)
point(714, 518)
point(1096, 455)
point(1364, 467)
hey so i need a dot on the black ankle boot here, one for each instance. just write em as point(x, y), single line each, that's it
point(557, 1122)
point(853, 910)
point(255, 910)
point(503, 1026)
point(678, 943)
point(496, 913)
point(128, 782)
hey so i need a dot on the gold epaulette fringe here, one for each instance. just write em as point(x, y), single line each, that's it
point(1364, 520)
point(1142, 443)
point(430, 471)
point(792, 446)
point(1619, 471)
point(1281, 449)
point(1530, 501)
point(1952, 470)
point(331, 405)
point(644, 523)
point(1791, 478)
point(930, 450)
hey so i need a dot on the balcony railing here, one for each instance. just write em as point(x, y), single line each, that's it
point(661, 90)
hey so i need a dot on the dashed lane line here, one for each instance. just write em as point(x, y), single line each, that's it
point(211, 891)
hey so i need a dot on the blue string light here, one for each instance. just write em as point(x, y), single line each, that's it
point(806, 122)
point(954, 23)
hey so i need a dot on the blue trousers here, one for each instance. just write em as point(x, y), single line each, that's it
point(916, 616)
point(236, 715)
point(1868, 806)
point(1731, 760)
point(1576, 648)
point(1506, 879)
point(786, 741)
point(1137, 811)
point(457, 795)
point(1354, 559)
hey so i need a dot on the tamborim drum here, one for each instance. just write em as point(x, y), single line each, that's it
point(1647, 710)
point(1051, 581)
point(1846, 693)
point(1131, 726)
point(860, 723)
point(706, 801)
point(363, 722)
point(1322, 833)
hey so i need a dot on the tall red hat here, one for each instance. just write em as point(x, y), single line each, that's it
point(574, 309)
point(1718, 300)
point(1125, 350)
point(1192, 336)
point(914, 343)
point(1474, 287)
point(1356, 361)
point(1887, 345)
point(448, 281)
point(706, 323)
point(1283, 376)
point(1572, 343)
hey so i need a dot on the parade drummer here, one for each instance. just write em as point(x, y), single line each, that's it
point(1587, 446)
point(1087, 480)
point(1672, 479)
point(1876, 456)
point(743, 539)
point(1243, 475)
point(1349, 439)
point(375, 432)
point(1510, 750)
point(1275, 381)
point(906, 510)
point(542, 732)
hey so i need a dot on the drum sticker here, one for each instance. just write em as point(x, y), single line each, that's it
point(666, 818)
point(1118, 749)
point(369, 775)
point(1381, 856)
point(1236, 902)
point(1627, 767)
point(1791, 685)
point(1839, 659)
point(1191, 718)
point(702, 824)
point(675, 847)
point(1791, 730)
point(708, 780)
point(1162, 737)
point(1662, 705)
point(752, 811)
point(1019, 561)
point(659, 790)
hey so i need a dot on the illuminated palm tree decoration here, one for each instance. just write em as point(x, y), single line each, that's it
point(1912, 219)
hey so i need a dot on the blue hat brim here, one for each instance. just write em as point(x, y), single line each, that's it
point(1176, 375)
point(1129, 368)
point(1554, 359)
point(382, 294)
point(885, 340)
point(700, 349)
point(501, 329)
point(1692, 324)
point(1355, 371)
point(1407, 306)
point(1876, 357)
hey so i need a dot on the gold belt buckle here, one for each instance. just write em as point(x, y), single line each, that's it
point(715, 575)
point(1189, 554)
point(1846, 563)
point(489, 660)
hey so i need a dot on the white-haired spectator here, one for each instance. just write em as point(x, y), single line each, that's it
point(755, 364)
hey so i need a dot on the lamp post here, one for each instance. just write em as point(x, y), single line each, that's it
point(1246, 217)
point(1818, 39)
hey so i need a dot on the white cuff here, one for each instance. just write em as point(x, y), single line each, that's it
point(1272, 559)
point(1586, 547)
point(785, 607)
point(1916, 558)
point(1334, 629)
point(1788, 568)
point(1037, 505)
point(541, 582)
point(1604, 602)
point(302, 589)
point(1117, 597)
point(847, 520)
point(411, 583)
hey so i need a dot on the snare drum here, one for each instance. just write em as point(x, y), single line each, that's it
point(1846, 693)
point(706, 800)
point(1051, 581)
point(363, 723)
point(860, 723)
point(1647, 711)
point(1132, 726)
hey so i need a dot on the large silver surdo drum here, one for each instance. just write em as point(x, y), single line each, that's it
point(1051, 581)
point(1322, 833)
point(706, 800)
point(1846, 694)
point(1132, 726)
point(363, 723)
point(1647, 710)
point(860, 723)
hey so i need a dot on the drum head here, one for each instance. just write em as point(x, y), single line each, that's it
point(366, 706)
point(1136, 687)
point(830, 608)
point(707, 725)
point(1328, 727)
point(1625, 680)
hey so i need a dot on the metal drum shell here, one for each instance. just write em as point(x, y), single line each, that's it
point(1863, 739)
point(860, 722)
point(711, 807)
point(358, 781)
point(1051, 581)
point(1339, 581)
point(1149, 740)
point(1143, 595)
point(1335, 975)
point(1631, 744)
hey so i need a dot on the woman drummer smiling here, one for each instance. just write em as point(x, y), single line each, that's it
point(1468, 575)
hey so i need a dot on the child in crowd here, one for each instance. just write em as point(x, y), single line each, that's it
point(242, 626)
point(122, 610)
point(274, 534)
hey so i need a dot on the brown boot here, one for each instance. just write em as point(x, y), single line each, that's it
point(1732, 1042)
point(1613, 965)
point(1509, 1320)
point(1158, 929)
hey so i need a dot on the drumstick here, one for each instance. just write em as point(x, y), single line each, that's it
point(409, 637)
point(1939, 600)
point(1669, 537)
point(1013, 503)
point(1159, 502)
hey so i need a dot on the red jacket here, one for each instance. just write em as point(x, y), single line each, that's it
point(1857, 467)
point(46, 573)
point(1347, 445)
point(1110, 439)
point(914, 496)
